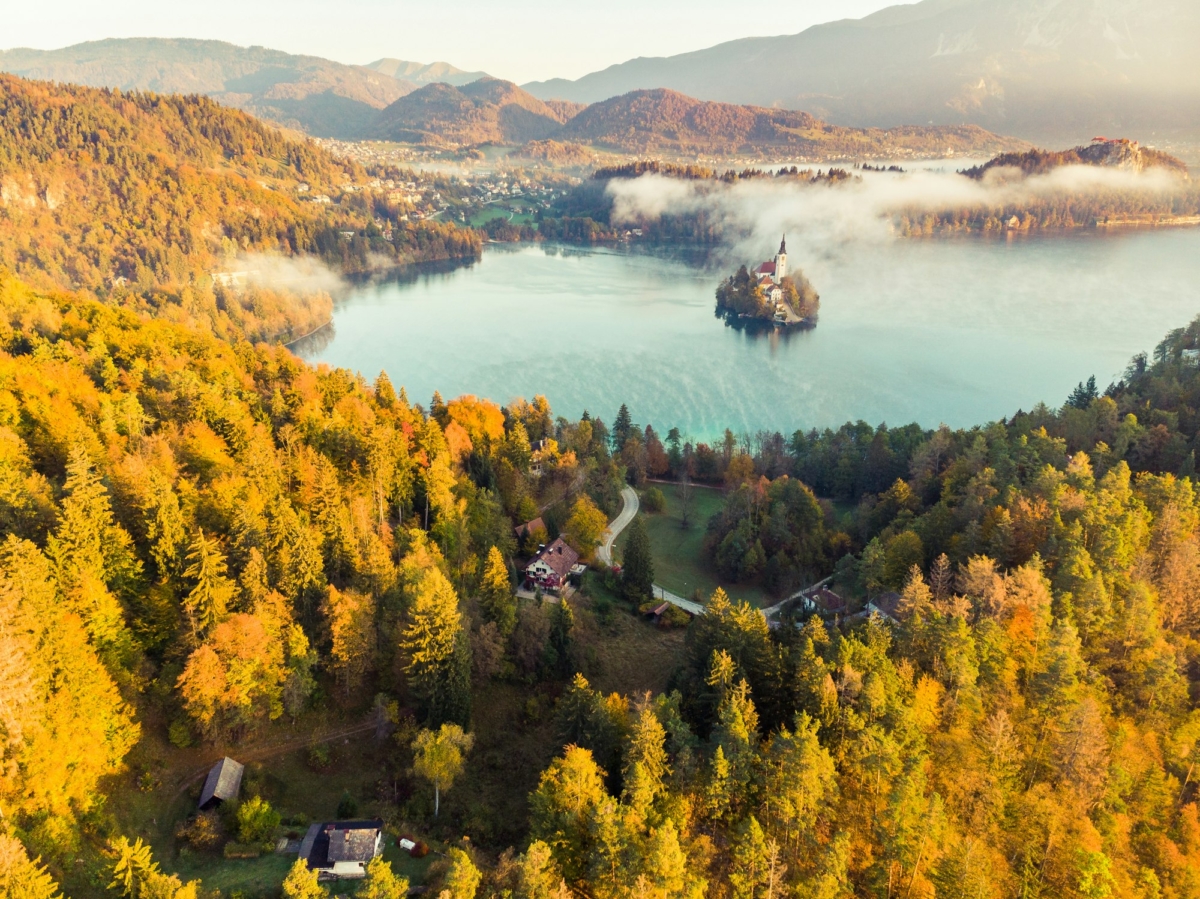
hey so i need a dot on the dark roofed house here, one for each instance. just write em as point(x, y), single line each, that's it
point(524, 530)
point(223, 783)
point(826, 602)
point(552, 565)
point(886, 605)
point(341, 849)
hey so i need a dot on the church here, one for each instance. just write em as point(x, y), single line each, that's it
point(775, 271)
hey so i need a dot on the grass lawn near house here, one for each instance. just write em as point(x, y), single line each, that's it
point(679, 564)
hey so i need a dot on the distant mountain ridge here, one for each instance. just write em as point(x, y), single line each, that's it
point(1029, 67)
point(421, 74)
point(318, 96)
point(485, 111)
point(656, 121)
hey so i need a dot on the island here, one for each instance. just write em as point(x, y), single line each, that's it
point(769, 295)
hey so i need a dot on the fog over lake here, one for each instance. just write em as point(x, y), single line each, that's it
point(958, 330)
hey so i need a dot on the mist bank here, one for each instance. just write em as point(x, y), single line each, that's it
point(869, 205)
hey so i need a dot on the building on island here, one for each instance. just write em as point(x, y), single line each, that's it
point(769, 275)
point(552, 565)
point(339, 850)
point(775, 270)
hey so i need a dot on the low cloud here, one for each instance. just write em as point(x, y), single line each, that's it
point(301, 275)
point(819, 217)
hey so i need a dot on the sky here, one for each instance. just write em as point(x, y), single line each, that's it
point(521, 40)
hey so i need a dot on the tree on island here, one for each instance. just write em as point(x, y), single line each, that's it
point(741, 296)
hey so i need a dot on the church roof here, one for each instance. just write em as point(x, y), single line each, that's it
point(767, 268)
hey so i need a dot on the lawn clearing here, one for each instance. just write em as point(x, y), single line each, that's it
point(679, 564)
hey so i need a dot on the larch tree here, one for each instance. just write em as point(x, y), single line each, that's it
point(496, 597)
point(439, 757)
point(350, 617)
point(462, 877)
point(22, 877)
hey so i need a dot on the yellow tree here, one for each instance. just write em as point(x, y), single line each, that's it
point(381, 882)
point(585, 527)
point(301, 882)
point(236, 677)
point(20, 876)
point(496, 596)
point(63, 721)
point(439, 757)
point(350, 616)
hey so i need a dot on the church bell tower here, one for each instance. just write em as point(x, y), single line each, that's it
point(781, 260)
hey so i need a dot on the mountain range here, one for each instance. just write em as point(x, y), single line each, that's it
point(485, 111)
point(318, 96)
point(1035, 68)
point(656, 121)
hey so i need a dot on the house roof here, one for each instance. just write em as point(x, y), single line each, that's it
point(524, 530)
point(887, 604)
point(828, 600)
point(558, 556)
point(340, 841)
point(223, 781)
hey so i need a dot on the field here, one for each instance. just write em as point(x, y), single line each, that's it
point(502, 209)
point(679, 565)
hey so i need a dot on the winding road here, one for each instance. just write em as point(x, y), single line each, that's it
point(604, 554)
point(604, 551)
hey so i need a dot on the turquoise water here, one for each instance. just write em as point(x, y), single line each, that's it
point(960, 331)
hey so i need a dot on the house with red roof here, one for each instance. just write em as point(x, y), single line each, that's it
point(550, 568)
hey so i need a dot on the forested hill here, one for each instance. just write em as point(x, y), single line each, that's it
point(139, 198)
point(657, 121)
point(485, 111)
point(220, 544)
point(666, 121)
point(1120, 154)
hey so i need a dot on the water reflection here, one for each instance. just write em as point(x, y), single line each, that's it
point(960, 331)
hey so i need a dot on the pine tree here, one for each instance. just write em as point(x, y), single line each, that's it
point(430, 644)
point(637, 566)
point(562, 641)
point(208, 601)
point(496, 597)
point(621, 429)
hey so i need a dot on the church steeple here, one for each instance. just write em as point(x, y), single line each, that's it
point(781, 260)
point(783, 246)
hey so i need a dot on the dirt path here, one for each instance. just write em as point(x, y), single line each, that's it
point(270, 750)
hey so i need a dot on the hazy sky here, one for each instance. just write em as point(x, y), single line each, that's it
point(521, 40)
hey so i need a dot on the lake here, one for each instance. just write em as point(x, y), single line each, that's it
point(960, 330)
